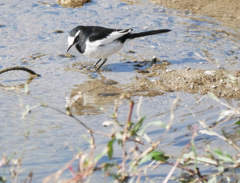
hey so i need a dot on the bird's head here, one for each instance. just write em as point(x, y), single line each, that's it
point(73, 38)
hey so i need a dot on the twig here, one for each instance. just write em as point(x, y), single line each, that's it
point(235, 146)
point(176, 164)
point(211, 132)
point(174, 105)
point(138, 108)
point(124, 139)
point(130, 112)
point(79, 121)
point(56, 175)
point(20, 68)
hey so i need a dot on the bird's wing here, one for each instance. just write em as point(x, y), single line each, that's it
point(106, 36)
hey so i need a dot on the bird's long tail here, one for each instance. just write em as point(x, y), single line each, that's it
point(147, 33)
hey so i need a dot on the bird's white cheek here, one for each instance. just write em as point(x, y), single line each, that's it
point(70, 40)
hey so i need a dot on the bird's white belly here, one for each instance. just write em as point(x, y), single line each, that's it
point(96, 50)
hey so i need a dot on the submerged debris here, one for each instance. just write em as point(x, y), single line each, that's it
point(58, 31)
point(67, 55)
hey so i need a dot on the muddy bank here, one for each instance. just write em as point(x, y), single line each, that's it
point(155, 81)
point(225, 11)
point(223, 84)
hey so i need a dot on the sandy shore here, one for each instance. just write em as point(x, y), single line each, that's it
point(228, 12)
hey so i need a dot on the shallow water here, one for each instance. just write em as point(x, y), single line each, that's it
point(28, 38)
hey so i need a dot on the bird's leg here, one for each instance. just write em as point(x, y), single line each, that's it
point(97, 62)
point(104, 60)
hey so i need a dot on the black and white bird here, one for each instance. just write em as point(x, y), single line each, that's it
point(99, 42)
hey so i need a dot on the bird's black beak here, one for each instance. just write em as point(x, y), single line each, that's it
point(69, 47)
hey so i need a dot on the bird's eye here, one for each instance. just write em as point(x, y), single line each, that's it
point(76, 39)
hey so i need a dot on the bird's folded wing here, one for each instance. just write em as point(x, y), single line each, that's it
point(103, 38)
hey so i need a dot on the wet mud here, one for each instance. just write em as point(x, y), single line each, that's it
point(223, 84)
point(156, 80)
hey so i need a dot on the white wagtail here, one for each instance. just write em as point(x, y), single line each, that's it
point(99, 42)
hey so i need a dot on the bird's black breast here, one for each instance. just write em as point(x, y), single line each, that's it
point(123, 38)
point(81, 48)
point(82, 38)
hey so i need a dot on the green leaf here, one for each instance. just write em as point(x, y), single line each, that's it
point(154, 123)
point(110, 148)
point(159, 156)
point(107, 166)
point(137, 126)
point(11, 156)
point(206, 160)
point(224, 133)
point(26, 89)
point(214, 97)
point(118, 135)
point(213, 179)
point(224, 157)
point(207, 132)
point(154, 155)
point(3, 179)
point(99, 156)
point(147, 138)
point(237, 123)
point(189, 158)
point(26, 134)
point(220, 168)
